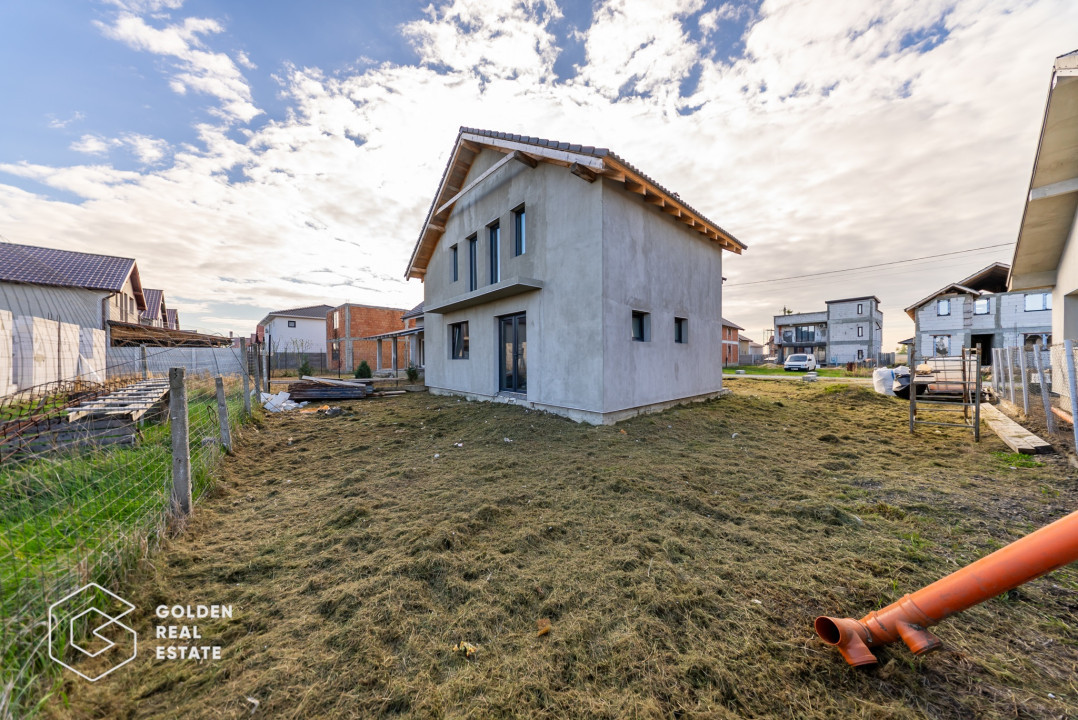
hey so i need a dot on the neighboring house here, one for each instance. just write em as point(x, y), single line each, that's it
point(156, 313)
point(348, 329)
point(561, 277)
point(849, 330)
point(84, 289)
point(172, 319)
point(730, 346)
point(1046, 255)
point(978, 311)
point(748, 350)
point(413, 320)
point(297, 330)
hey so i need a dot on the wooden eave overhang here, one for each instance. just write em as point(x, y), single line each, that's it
point(589, 166)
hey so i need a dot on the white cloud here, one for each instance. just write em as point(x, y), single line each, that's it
point(60, 124)
point(197, 68)
point(828, 145)
point(93, 145)
point(147, 150)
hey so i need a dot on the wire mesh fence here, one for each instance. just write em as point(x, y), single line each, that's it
point(85, 491)
point(1036, 383)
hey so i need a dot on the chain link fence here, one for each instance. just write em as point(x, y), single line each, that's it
point(86, 485)
point(1035, 383)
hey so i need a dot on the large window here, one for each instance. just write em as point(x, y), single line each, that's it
point(473, 263)
point(681, 330)
point(982, 306)
point(458, 341)
point(943, 307)
point(805, 333)
point(520, 244)
point(641, 326)
point(454, 260)
point(495, 253)
point(1038, 301)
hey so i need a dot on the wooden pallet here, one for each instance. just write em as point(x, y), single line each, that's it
point(133, 402)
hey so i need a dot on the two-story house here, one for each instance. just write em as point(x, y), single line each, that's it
point(731, 347)
point(978, 311)
point(297, 329)
point(849, 330)
point(561, 277)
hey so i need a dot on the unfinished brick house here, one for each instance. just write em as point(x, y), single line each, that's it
point(349, 341)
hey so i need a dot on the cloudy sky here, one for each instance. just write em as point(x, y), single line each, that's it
point(254, 156)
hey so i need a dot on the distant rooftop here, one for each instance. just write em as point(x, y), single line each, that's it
point(64, 268)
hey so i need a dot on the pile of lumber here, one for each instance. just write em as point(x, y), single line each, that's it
point(312, 388)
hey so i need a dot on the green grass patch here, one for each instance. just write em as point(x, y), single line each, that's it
point(1016, 460)
point(756, 370)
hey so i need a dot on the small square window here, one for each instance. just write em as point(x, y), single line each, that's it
point(981, 306)
point(681, 330)
point(291, 323)
point(641, 326)
point(943, 307)
point(458, 341)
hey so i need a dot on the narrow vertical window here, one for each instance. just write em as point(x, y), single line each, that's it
point(473, 263)
point(860, 308)
point(860, 331)
point(681, 330)
point(520, 241)
point(453, 259)
point(495, 253)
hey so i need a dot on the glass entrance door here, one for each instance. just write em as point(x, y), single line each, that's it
point(514, 354)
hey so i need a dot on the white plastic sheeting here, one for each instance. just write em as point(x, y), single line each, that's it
point(91, 354)
point(34, 350)
point(67, 351)
point(883, 381)
point(7, 386)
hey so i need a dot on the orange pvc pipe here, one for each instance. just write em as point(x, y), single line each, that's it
point(1040, 552)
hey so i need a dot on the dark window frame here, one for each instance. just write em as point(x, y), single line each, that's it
point(860, 331)
point(681, 330)
point(987, 306)
point(494, 235)
point(473, 263)
point(291, 323)
point(458, 340)
point(453, 251)
point(520, 231)
point(860, 308)
point(943, 303)
point(641, 326)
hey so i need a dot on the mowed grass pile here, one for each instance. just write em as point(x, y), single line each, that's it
point(680, 557)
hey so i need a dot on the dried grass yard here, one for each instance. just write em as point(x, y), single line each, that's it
point(680, 558)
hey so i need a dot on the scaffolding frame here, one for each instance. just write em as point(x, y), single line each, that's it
point(952, 384)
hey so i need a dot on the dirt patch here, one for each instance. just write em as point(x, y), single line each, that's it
point(680, 559)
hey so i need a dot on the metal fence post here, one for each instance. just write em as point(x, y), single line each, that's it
point(222, 414)
point(1025, 379)
point(181, 450)
point(1010, 375)
point(1049, 418)
point(246, 383)
point(1072, 387)
point(256, 358)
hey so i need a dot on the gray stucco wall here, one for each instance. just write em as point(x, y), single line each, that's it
point(653, 263)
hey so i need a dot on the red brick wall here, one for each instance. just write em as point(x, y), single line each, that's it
point(364, 322)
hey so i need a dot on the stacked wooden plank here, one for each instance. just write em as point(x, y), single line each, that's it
point(131, 402)
point(313, 388)
point(1016, 437)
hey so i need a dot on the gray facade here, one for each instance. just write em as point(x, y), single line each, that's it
point(594, 255)
point(849, 330)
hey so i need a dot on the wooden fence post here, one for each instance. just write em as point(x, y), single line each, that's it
point(1049, 418)
point(1072, 386)
point(246, 384)
point(145, 364)
point(1025, 379)
point(1010, 375)
point(222, 414)
point(181, 450)
point(256, 357)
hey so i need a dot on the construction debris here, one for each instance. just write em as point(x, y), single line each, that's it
point(313, 388)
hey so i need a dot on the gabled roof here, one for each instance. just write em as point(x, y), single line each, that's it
point(314, 312)
point(727, 323)
point(173, 318)
point(154, 300)
point(986, 281)
point(742, 338)
point(65, 268)
point(414, 312)
point(585, 161)
point(1052, 200)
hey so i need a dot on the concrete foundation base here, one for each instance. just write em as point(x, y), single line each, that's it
point(588, 416)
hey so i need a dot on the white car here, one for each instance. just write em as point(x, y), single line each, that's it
point(800, 362)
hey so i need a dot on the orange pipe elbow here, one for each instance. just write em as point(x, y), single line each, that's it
point(1038, 553)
